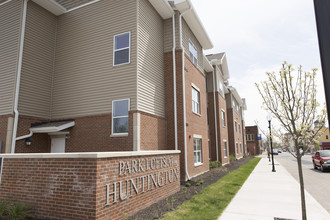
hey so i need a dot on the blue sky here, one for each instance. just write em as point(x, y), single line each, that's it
point(257, 36)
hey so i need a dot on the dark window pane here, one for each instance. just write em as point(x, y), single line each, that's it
point(120, 108)
point(121, 41)
point(120, 125)
point(122, 56)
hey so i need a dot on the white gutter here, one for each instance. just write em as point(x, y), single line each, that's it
point(25, 136)
point(174, 86)
point(5, 2)
point(18, 78)
point(215, 117)
point(184, 94)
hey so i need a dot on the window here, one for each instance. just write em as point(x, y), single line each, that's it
point(197, 151)
point(236, 148)
point(239, 128)
point(236, 126)
point(241, 147)
point(223, 117)
point(121, 52)
point(120, 110)
point(233, 104)
point(193, 53)
point(250, 137)
point(195, 100)
point(220, 87)
point(225, 149)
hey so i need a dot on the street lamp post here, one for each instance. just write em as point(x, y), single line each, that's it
point(269, 118)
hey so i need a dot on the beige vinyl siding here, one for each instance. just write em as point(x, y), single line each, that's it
point(10, 24)
point(168, 35)
point(38, 61)
point(85, 80)
point(187, 35)
point(151, 97)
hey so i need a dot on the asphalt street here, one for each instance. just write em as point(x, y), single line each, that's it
point(316, 182)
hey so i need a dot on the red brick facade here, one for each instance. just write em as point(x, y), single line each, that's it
point(253, 145)
point(66, 188)
point(235, 134)
point(3, 130)
point(195, 124)
point(92, 134)
point(222, 131)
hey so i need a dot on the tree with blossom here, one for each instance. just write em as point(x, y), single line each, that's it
point(290, 96)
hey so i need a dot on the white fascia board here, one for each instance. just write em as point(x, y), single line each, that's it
point(53, 128)
point(207, 65)
point(224, 67)
point(51, 6)
point(236, 95)
point(163, 8)
point(194, 24)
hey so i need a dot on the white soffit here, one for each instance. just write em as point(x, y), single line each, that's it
point(52, 127)
point(195, 24)
point(224, 67)
point(163, 8)
point(207, 65)
point(51, 6)
point(236, 95)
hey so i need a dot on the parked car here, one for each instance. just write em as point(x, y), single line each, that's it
point(321, 159)
point(279, 151)
point(275, 152)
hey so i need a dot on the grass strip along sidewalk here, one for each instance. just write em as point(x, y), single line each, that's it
point(212, 201)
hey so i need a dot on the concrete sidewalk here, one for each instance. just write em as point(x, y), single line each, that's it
point(266, 195)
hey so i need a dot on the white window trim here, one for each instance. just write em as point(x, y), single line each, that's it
point(223, 124)
point(119, 134)
point(129, 48)
point(193, 45)
point(197, 137)
point(223, 141)
point(235, 125)
point(199, 101)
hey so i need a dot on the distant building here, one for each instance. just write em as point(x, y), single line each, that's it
point(253, 144)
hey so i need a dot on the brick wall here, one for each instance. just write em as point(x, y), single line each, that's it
point(253, 145)
point(76, 188)
point(3, 130)
point(40, 142)
point(195, 124)
point(235, 136)
point(152, 132)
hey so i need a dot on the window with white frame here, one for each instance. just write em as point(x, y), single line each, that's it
point(193, 55)
point(220, 87)
point(239, 128)
point(197, 150)
point(195, 100)
point(223, 118)
point(234, 106)
point(236, 148)
point(241, 147)
point(250, 137)
point(236, 126)
point(120, 110)
point(121, 52)
point(225, 148)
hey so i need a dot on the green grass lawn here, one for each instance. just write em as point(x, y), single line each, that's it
point(211, 202)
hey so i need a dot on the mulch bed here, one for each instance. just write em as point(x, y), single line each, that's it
point(157, 210)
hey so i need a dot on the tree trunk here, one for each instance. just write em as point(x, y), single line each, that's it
point(302, 187)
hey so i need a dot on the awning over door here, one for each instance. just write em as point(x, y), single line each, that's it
point(51, 127)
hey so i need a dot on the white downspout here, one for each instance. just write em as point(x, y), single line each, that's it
point(18, 79)
point(174, 85)
point(184, 95)
point(215, 117)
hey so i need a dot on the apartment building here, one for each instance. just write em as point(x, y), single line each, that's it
point(92, 76)
point(236, 126)
point(217, 82)
point(253, 143)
